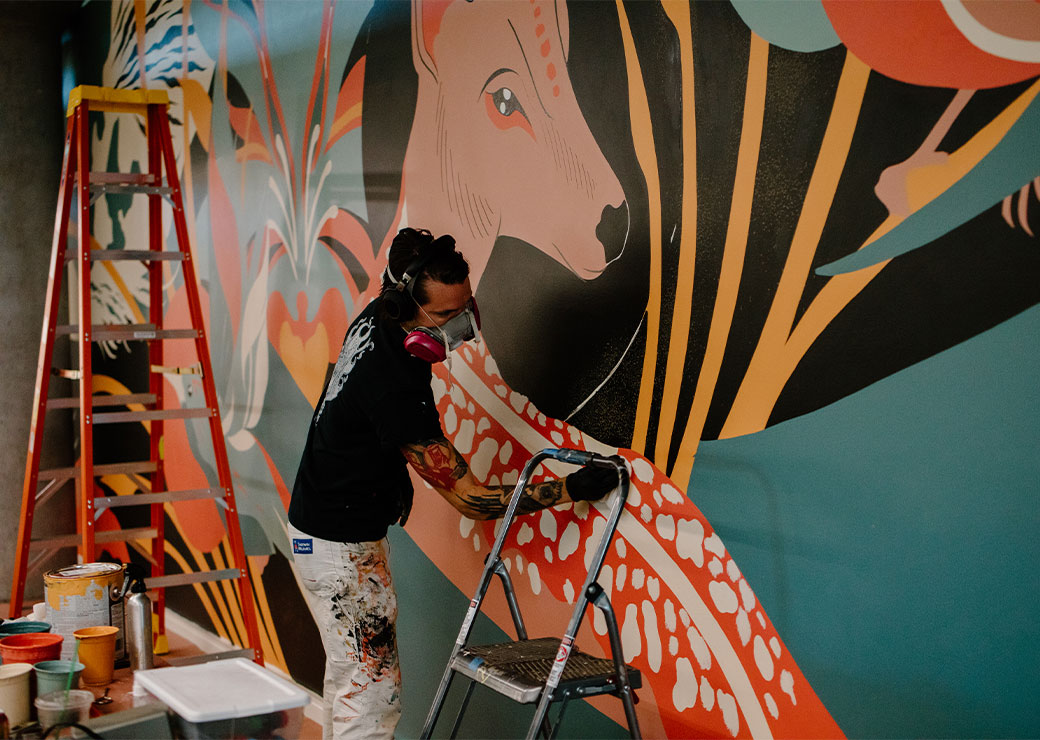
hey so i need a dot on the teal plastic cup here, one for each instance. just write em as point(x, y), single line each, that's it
point(53, 675)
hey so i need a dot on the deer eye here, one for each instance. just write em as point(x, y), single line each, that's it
point(506, 102)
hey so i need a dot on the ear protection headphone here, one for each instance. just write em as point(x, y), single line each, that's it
point(400, 303)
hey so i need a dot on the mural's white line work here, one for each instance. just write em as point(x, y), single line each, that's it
point(648, 548)
point(613, 370)
point(1018, 50)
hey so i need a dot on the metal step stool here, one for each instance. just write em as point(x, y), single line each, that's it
point(544, 670)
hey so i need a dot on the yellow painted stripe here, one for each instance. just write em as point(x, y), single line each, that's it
point(207, 604)
point(643, 138)
point(756, 396)
point(273, 653)
point(732, 257)
point(841, 289)
point(232, 595)
point(140, 31)
point(222, 623)
point(679, 13)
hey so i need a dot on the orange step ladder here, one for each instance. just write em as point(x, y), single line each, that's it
point(77, 178)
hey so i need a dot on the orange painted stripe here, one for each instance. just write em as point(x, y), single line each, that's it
point(643, 138)
point(757, 393)
point(679, 13)
point(732, 257)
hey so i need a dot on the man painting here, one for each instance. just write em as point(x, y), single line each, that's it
point(377, 412)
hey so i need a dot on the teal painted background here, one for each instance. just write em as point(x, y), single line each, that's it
point(893, 538)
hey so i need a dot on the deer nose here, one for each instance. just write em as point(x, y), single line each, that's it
point(612, 230)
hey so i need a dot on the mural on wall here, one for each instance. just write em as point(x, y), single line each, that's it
point(685, 222)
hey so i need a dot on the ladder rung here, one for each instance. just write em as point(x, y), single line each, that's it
point(124, 178)
point(182, 579)
point(100, 536)
point(121, 188)
point(50, 489)
point(141, 499)
point(123, 468)
point(62, 372)
point(102, 400)
point(116, 417)
point(127, 255)
point(169, 370)
point(125, 332)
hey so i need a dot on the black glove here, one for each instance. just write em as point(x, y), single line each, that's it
point(591, 483)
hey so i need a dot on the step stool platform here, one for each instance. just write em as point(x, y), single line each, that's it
point(520, 669)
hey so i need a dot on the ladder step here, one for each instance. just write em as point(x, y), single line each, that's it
point(121, 188)
point(124, 178)
point(116, 417)
point(100, 536)
point(142, 499)
point(182, 579)
point(115, 99)
point(123, 468)
point(124, 399)
point(519, 670)
point(169, 370)
point(126, 332)
point(127, 255)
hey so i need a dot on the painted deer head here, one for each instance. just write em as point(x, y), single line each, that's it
point(499, 146)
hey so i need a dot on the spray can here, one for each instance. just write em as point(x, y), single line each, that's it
point(139, 624)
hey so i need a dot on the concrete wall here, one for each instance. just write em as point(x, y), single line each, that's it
point(31, 141)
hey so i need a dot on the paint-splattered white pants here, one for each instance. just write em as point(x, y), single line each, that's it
point(351, 597)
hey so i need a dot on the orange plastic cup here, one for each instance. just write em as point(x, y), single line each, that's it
point(97, 647)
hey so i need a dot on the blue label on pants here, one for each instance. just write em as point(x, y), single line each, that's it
point(303, 547)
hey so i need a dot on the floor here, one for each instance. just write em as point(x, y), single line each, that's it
point(119, 690)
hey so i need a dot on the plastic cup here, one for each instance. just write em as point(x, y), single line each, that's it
point(53, 675)
point(14, 692)
point(97, 647)
point(59, 707)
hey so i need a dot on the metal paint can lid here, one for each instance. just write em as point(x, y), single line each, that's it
point(83, 570)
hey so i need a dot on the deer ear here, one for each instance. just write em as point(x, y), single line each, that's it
point(426, 23)
point(564, 27)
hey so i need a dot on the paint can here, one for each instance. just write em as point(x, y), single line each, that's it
point(79, 596)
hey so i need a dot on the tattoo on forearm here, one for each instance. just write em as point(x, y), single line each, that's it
point(436, 461)
point(439, 463)
point(493, 504)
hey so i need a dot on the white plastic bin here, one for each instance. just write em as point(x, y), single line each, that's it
point(232, 698)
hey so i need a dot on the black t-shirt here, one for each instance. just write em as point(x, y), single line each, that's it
point(353, 481)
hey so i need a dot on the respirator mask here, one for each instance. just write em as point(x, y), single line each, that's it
point(433, 343)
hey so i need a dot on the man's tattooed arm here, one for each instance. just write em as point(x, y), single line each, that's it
point(443, 467)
